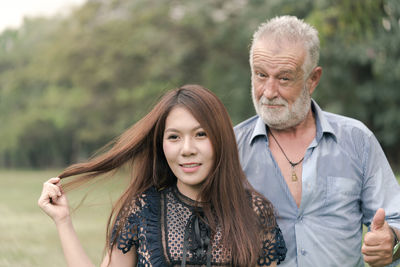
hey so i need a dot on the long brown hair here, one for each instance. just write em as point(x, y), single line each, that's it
point(226, 189)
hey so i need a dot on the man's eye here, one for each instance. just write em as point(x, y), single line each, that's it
point(261, 75)
point(285, 79)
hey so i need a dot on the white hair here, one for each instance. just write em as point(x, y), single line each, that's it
point(292, 29)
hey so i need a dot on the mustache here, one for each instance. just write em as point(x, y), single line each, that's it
point(275, 101)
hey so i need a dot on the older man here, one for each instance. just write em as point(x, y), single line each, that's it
point(325, 174)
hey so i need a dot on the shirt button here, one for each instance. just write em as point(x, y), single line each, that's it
point(303, 251)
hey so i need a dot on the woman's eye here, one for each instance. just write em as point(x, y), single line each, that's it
point(201, 134)
point(172, 137)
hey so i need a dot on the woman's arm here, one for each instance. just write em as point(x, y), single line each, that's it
point(73, 251)
point(76, 256)
point(268, 255)
point(54, 203)
point(273, 264)
point(119, 259)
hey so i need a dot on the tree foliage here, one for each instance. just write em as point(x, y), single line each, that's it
point(69, 85)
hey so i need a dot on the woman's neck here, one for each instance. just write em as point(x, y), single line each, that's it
point(189, 191)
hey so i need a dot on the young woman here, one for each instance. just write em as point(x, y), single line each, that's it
point(189, 203)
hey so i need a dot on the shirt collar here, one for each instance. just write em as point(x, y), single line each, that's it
point(259, 129)
point(322, 124)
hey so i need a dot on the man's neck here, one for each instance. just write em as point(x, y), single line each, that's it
point(302, 130)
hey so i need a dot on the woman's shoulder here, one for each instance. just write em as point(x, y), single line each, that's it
point(263, 209)
point(139, 216)
point(273, 245)
point(141, 208)
point(140, 202)
point(151, 193)
point(261, 204)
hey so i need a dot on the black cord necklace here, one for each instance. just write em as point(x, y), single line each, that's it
point(293, 164)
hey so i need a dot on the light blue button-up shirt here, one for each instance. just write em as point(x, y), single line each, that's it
point(346, 178)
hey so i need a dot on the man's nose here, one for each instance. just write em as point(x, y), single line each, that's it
point(271, 88)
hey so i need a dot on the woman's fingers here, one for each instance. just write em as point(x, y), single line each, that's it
point(53, 201)
point(51, 191)
point(53, 180)
point(54, 193)
point(52, 188)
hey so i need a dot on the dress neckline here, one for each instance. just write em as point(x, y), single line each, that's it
point(186, 200)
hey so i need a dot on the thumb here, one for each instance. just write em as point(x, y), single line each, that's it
point(379, 220)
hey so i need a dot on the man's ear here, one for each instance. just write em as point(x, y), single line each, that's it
point(313, 79)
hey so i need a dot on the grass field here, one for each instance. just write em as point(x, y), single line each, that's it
point(28, 237)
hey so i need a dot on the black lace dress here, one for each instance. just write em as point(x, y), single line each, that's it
point(164, 225)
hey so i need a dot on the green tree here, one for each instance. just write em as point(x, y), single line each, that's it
point(69, 85)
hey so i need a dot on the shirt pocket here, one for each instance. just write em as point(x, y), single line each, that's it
point(342, 187)
point(342, 203)
point(342, 193)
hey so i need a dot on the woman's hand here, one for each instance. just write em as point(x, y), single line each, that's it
point(53, 201)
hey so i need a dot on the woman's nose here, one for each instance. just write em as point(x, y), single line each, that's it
point(189, 147)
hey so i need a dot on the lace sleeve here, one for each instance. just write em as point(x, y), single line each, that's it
point(273, 248)
point(125, 230)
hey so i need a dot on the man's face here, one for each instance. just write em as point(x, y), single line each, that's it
point(279, 91)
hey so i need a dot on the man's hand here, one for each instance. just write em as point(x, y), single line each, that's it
point(378, 243)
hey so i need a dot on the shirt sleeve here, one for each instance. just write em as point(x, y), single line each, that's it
point(273, 247)
point(125, 230)
point(380, 188)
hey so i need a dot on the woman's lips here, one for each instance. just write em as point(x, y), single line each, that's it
point(190, 167)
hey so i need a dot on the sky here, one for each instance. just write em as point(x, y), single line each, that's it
point(12, 12)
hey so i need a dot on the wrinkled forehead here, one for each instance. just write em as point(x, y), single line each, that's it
point(278, 50)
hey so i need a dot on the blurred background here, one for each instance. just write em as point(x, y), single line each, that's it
point(72, 81)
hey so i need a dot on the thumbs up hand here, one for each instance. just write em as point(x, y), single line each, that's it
point(379, 220)
point(378, 243)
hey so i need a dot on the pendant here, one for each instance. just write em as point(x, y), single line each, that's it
point(294, 176)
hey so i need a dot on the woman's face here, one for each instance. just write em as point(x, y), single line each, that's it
point(188, 151)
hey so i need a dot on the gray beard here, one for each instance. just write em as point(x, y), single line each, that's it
point(287, 118)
